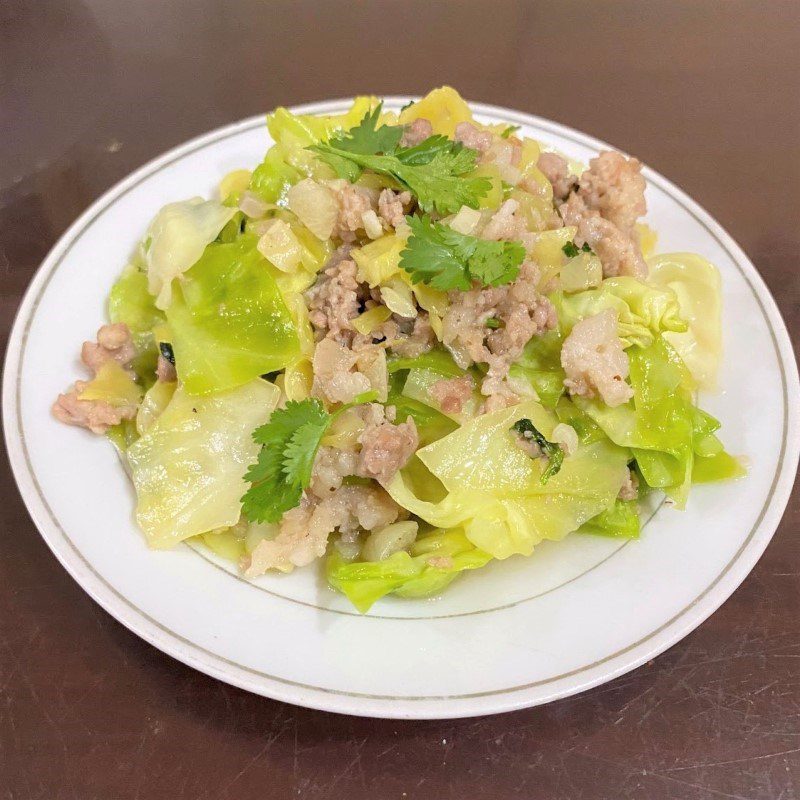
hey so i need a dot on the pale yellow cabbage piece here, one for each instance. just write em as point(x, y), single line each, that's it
point(443, 107)
point(494, 489)
point(379, 261)
point(155, 400)
point(113, 385)
point(177, 238)
point(188, 468)
point(696, 283)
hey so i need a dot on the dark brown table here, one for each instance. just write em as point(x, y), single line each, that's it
point(706, 92)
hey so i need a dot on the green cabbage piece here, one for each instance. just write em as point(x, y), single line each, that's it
point(273, 177)
point(643, 311)
point(436, 360)
point(176, 239)
point(697, 286)
point(540, 366)
point(431, 424)
point(418, 387)
point(406, 574)
point(423, 371)
point(379, 261)
point(664, 429)
point(228, 320)
point(493, 490)
point(288, 161)
point(620, 521)
point(719, 467)
point(130, 302)
point(188, 467)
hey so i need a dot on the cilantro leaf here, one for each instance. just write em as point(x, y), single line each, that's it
point(570, 249)
point(269, 495)
point(434, 170)
point(434, 174)
point(440, 184)
point(446, 259)
point(290, 442)
point(493, 323)
point(553, 452)
point(427, 258)
point(367, 138)
point(424, 152)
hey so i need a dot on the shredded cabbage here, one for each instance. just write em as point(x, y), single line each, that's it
point(188, 467)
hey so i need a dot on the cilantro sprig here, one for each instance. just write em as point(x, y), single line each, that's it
point(367, 138)
point(437, 255)
point(435, 170)
point(290, 441)
point(553, 452)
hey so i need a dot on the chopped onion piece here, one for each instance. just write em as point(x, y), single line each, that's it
point(396, 294)
point(372, 225)
point(280, 246)
point(315, 206)
point(253, 206)
point(466, 220)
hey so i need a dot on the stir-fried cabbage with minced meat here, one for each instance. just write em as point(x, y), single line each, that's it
point(409, 343)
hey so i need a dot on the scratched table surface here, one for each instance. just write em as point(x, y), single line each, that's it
point(705, 92)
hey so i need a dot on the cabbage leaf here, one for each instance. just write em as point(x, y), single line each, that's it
point(643, 311)
point(444, 108)
point(664, 429)
point(431, 424)
point(540, 367)
point(131, 303)
point(406, 574)
point(288, 161)
point(188, 467)
point(493, 489)
point(176, 239)
point(619, 521)
point(228, 320)
point(697, 286)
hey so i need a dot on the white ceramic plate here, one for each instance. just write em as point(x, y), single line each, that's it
point(518, 633)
